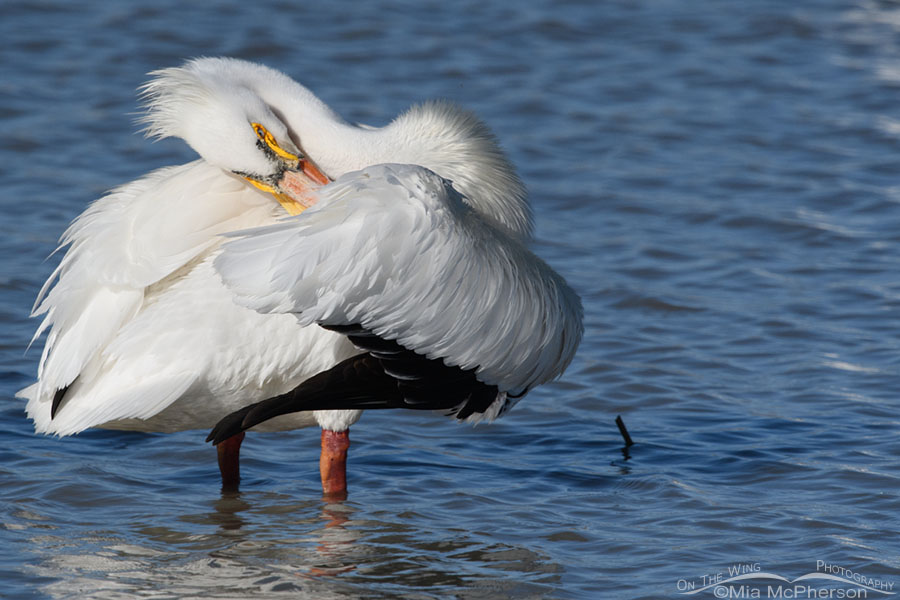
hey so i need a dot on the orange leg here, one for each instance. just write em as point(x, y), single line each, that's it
point(230, 461)
point(333, 463)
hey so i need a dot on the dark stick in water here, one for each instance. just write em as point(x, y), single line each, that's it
point(621, 425)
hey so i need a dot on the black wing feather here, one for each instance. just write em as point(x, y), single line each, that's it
point(386, 375)
point(58, 398)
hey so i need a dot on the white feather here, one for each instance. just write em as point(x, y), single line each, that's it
point(141, 319)
point(396, 249)
point(138, 324)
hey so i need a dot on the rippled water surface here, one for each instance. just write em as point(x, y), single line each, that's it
point(719, 180)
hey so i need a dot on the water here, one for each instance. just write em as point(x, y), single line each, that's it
point(719, 180)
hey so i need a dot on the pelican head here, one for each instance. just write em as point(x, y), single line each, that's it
point(224, 120)
point(260, 124)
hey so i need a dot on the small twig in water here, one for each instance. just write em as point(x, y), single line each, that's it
point(621, 425)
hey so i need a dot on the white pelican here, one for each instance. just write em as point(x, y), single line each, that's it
point(449, 312)
point(143, 335)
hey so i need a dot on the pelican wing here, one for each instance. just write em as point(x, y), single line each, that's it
point(397, 251)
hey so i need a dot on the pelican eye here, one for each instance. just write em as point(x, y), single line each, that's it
point(269, 140)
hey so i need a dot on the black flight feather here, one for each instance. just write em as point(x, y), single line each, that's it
point(386, 375)
point(58, 398)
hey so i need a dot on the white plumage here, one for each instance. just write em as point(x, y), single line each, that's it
point(149, 244)
point(143, 333)
point(396, 249)
point(139, 317)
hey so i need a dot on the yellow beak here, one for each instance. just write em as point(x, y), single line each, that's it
point(294, 190)
point(289, 204)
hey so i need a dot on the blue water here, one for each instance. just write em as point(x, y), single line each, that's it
point(719, 180)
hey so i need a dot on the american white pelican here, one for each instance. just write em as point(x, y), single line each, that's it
point(448, 311)
point(143, 335)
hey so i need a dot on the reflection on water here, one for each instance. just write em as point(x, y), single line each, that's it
point(262, 543)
